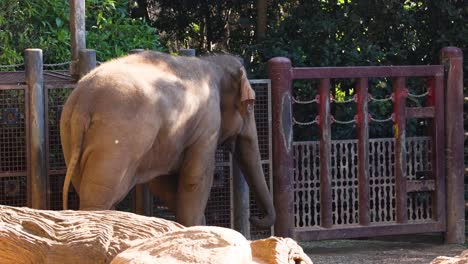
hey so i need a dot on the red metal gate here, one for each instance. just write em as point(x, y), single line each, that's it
point(367, 187)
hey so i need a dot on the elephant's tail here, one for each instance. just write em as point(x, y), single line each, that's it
point(76, 142)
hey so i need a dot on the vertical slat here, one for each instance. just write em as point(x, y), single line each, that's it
point(363, 150)
point(325, 155)
point(279, 72)
point(452, 58)
point(399, 108)
point(296, 155)
point(436, 86)
point(37, 127)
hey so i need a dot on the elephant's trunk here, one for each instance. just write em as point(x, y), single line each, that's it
point(247, 155)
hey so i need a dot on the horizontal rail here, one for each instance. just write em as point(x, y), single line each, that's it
point(420, 112)
point(13, 86)
point(307, 234)
point(60, 85)
point(420, 186)
point(366, 72)
point(57, 172)
point(13, 174)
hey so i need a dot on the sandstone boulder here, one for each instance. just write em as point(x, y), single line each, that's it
point(461, 259)
point(41, 236)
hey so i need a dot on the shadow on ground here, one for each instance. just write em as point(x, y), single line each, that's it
point(409, 249)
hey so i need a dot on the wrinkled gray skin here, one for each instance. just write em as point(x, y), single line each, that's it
point(151, 117)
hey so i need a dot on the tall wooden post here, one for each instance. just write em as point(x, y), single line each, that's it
point(37, 147)
point(279, 71)
point(399, 109)
point(78, 33)
point(326, 214)
point(452, 58)
point(363, 150)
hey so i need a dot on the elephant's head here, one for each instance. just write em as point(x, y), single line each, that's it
point(238, 126)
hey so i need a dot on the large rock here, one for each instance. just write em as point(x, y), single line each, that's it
point(461, 259)
point(199, 244)
point(40, 236)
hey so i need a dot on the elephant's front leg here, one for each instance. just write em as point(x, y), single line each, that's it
point(164, 187)
point(194, 186)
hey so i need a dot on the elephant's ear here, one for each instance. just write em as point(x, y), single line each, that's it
point(247, 93)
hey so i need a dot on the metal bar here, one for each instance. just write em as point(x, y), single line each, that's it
point(399, 109)
point(363, 150)
point(420, 112)
point(325, 155)
point(77, 32)
point(366, 72)
point(38, 172)
point(452, 58)
point(366, 231)
point(279, 71)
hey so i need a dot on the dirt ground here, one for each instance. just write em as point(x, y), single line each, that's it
point(411, 249)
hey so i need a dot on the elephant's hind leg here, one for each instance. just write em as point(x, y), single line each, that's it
point(109, 164)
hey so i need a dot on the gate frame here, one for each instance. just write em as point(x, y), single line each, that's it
point(448, 163)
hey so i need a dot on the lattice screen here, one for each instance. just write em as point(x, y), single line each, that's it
point(345, 182)
point(13, 145)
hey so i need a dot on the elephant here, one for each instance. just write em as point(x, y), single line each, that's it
point(155, 118)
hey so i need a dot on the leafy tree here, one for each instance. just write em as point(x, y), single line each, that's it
point(45, 24)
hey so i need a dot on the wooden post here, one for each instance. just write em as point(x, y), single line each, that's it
point(78, 33)
point(87, 61)
point(326, 220)
point(437, 131)
point(37, 148)
point(363, 150)
point(133, 51)
point(452, 58)
point(187, 52)
point(142, 200)
point(399, 109)
point(280, 73)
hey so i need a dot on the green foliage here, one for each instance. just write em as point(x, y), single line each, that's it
point(45, 25)
point(324, 33)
